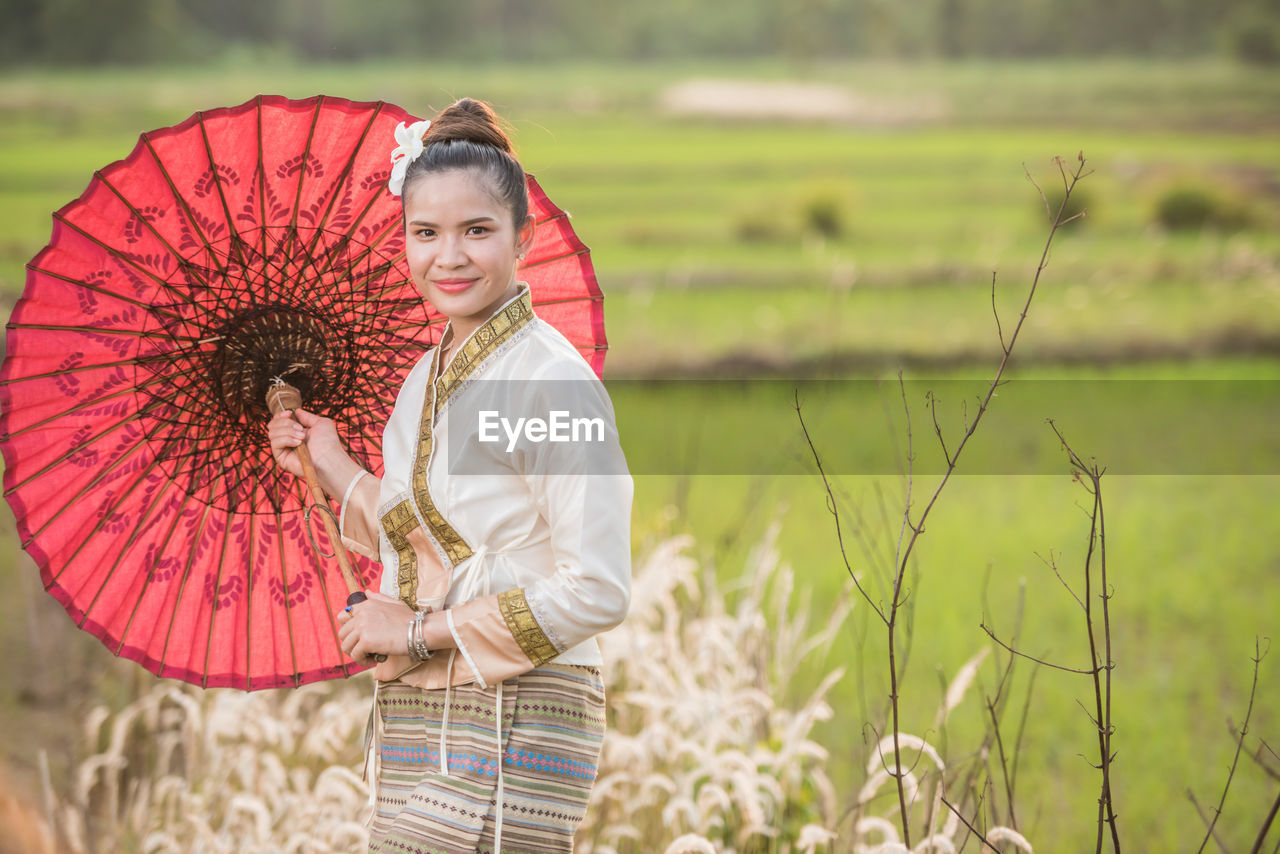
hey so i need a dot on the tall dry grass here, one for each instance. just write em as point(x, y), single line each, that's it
point(222, 772)
point(701, 750)
point(701, 754)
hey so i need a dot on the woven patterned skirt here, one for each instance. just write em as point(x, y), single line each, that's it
point(551, 728)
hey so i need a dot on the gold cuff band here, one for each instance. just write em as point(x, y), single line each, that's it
point(524, 627)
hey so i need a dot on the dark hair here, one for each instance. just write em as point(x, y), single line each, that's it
point(466, 136)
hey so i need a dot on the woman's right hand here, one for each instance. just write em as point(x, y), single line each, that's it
point(320, 434)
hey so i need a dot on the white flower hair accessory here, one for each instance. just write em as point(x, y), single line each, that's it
point(409, 139)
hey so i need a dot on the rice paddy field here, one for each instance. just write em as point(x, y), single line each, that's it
point(753, 254)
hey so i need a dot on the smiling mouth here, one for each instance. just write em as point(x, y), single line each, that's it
point(453, 286)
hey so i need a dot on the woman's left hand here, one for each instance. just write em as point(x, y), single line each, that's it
point(379, 625)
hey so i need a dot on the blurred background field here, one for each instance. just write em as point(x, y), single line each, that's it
point(738, 236)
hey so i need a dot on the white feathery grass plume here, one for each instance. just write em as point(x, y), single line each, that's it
point(811, 837)
point(874, 824)
point(224, 772)
point(1008, 834)
point(701, 747)
point(691, 843)
point(835, 622)
point(250, 815)
point(935, 843)
point(659, 784)
point(959, 686)
point(750, 805)
point(160, 842)
point(906, 741)
point(72, 828)
point(880, 777)
point(712, 799)
point(696, 674)
point(90, 772)
point(680, 811)
point(93, 722)
point(826, 792)
point(629, 831)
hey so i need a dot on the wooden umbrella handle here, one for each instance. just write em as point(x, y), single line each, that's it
point(286, 398)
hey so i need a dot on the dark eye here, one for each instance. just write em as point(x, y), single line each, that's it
point(477, 229)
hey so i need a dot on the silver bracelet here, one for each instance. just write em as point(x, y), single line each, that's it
point(417, 644)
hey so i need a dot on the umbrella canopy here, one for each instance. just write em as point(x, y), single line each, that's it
point(243, 244)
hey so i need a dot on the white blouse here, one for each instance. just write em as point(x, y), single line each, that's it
point(505, 499)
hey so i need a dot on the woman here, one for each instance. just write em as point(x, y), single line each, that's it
point(501, 559)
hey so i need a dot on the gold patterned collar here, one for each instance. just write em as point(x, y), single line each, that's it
point(488, 337)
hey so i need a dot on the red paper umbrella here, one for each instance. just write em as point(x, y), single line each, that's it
point(245, 243)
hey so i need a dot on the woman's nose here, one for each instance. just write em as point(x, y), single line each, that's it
point(452, 252)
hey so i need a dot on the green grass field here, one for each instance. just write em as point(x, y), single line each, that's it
point(1193, 577)
point(700, 238)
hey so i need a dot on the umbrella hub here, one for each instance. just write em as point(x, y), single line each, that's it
point(278, 341)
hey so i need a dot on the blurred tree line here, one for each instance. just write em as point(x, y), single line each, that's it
point(96, 32)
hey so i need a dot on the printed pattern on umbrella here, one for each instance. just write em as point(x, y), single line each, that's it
point(244, 244)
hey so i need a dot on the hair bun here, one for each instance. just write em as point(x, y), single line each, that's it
point(468, 120)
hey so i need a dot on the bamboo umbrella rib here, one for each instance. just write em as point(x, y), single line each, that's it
point(375, 238)
point(107, 330)
point(388, 308)
point(223, 562)
point(385, 363)
point(389, 401)
point(107, 510)
point(236, 243)
point(401, 341)
point(193, 273)
point(137, 603)
point(250, 551)
point(397, 341)
point(65, 457)
point(331, 618)
point(75, 410)
point(115, 295)
point(344, 176)
point(113, 567)
point(303, 162)
point(197, 534)
point(359, 218)
point(541, 262)
point(138, 530)
point(204, 283)
point(288, 604)
point(262, 177)
point(122, 257)
point(139, 385)
point(62, 372)
point(189, 215)
point(569, 300)
point(306, 156)
point(274, 267)
point(551, 217)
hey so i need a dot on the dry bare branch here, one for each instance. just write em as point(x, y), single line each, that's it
point(911, 529)
point(1259, 653)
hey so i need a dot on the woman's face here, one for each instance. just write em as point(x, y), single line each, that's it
point(462, 247)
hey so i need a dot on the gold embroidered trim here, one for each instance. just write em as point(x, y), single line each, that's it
point(494, 332)
point(524, 627)
point(397, 523)
point(479, 346)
